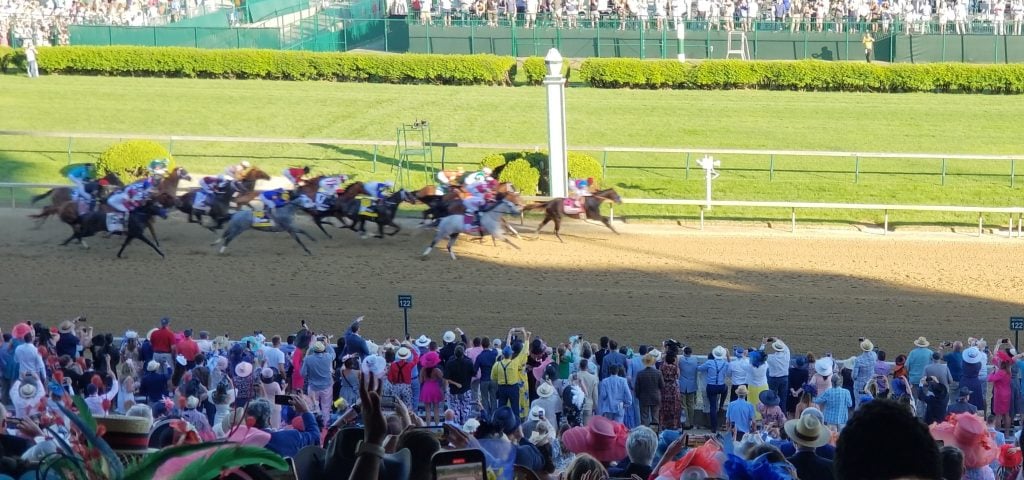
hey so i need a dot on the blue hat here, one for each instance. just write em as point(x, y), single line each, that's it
point(507, 352)
point(165, 321)
point(505, 419)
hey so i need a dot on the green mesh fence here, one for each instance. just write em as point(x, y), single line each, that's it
point(199, 37)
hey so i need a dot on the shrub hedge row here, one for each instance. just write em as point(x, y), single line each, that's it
point(129, 159)
point(278, 65)
point(581, 165)
point(813, 75)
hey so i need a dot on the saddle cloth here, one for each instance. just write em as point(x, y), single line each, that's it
point(260, 220)
point(571, 206)
point(366, 205)
point(115, 222)
point(469, 223)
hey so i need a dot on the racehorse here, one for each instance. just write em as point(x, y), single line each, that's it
point(555, 209)
point(439, 206)
point(284, 221)
point(167, 191)
point(100, 189)
point(384, 214)
point(219, 211)
point(339, 208)
point(93, 222)
point(490, 222)
point(246, 186)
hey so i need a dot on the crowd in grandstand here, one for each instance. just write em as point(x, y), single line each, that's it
point(1002, 17)
point(538, 407)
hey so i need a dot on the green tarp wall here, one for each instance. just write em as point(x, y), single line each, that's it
point(959, 48)
point(257, 10)
point(199, 37)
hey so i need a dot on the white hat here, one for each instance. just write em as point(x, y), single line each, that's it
point(181, 360)
point(471, 426)
point(192, 402)
point(422, 342)
point(545, 390)
point(655, 353)
point(448, 337)
point(866, 345)
point(719, 352)
point(536, 412)
point(152, 366)
point(375, 364)
point(131, 334)
point(824, 366)
point(972, 355)
point(27, 390)
point(808, 431)
point(778, 346)
point(243, 369)
point(403, 353)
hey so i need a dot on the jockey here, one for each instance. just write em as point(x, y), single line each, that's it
point(272, 199)
point(208, 187)
point(294, 175)
point(80, 176)
point(377, 191)
point(132, 196)
point(481, 176)
point(447, 178)
point(580, 188)
point(481, 193)
point(157, 169)
point(237, 171)
point(328, 191)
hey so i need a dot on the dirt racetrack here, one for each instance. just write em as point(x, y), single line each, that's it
point(817, 289)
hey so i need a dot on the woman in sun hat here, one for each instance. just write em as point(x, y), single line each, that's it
point(824, 368)
point(400, 374)
point(549, 400)
point(1001, 391)
point(771, 412)
point(431, 383)
point(970, 434)
point(602, 438)
point(864, 366)
point(973, 359)
point(245, 383)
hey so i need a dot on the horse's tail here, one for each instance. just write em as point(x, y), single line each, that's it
point(41, 196)
point(47, 211)
point(538, 205)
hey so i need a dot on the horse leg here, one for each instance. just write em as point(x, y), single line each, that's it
point(608, 224)
point(152, 231)
point(451, 242)
point(541, 226)
point(433, 242)
point(320, 224)
point(508, 226)
point(73, 237)
point(397, 229)
point(141, 236)
point(509, 241)
point(558, 227)
point(299, 241)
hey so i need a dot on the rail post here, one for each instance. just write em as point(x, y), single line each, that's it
point(604, 165)
point(12, 198)
point(373, 168)
point(702, 217)
point(885, 226)
point(771, 167)
point(1013, 164)
point(792, 225)
point(856, 169)
point(943, 171)
point(70, 140)
point(981, 219)
point(687, 165)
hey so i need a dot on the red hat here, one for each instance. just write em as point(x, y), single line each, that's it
point(1009, 456)
point(602, 438)
point(20, 330)
point(969, 433)
point(703, 458)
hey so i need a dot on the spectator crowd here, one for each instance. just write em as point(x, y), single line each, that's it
point(533, 407)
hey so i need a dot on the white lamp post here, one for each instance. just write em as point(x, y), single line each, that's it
point(709, 164)
point(555, 84)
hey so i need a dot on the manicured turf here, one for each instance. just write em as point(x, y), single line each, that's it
point(713, 119)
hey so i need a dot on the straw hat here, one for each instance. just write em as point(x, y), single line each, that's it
point(741, 390)
point(545, 390)
point(921, 342)
point(243, 369)
point(153, 366)
point(67, 326)
point(423, 341)
point(126, 434)
point(319, 347)
point(655, 353)
point(448, 337)
point(778, 346)
point(719, 353)
point(866, 345)
point(808, 431)
point(403, 353)
point(27, 390)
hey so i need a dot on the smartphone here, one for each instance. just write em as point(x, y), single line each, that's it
point(387, 402)
point(282, 399)
point(437, 431)
point(468, 464)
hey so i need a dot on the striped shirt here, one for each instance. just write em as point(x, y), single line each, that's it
point(836, 403)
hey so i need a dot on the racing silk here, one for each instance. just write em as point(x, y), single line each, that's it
point(377, 189)
point(236, 172)
point(158, 167)
point(274, 198)
point(330, 185)
point(475, 178)
point(294, 174)
point(79, 174)
point(211, 184)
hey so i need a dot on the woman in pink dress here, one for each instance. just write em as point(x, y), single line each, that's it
point(1001, 393)
point(431, 391)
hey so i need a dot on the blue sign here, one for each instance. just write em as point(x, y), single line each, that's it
point(1016, 324)
point(405, 301)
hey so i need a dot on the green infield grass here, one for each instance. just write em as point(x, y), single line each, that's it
point(910, 123)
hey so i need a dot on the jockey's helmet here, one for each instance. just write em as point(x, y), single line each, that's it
point(305, 169)
point(246, 164)
point(286, 196)
point(487, 170)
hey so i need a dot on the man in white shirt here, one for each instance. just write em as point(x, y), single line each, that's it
point(27, 356)
point(778, 366)
point(738, 371)
point(274, 356)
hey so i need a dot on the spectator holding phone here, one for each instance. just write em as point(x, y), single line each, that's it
point(286, 443)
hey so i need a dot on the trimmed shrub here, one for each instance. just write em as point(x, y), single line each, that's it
point(278, 65)
point(493, 161)
point(536, 69)
point(11, 59)
point(522, 175)
point(582, 165)
point(814, 75)
point(130, 159)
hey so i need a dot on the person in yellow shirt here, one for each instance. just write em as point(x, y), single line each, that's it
point(508, 372)
point(869, 45)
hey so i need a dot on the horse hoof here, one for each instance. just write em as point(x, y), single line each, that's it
point(217, 241)
point(222, 249)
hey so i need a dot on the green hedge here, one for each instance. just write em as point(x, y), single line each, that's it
point(581, 165)
point(813, 75)
point(278, 65)
point(523, 176)
point(129, 159)
point(9, 59)
point(536, 69)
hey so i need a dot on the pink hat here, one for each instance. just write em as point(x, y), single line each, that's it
point(247, 435)
point(20, 330)
point(969, 433)
point(430, 360)
point(602, 438)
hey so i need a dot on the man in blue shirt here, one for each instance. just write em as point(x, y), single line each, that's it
point(715, 370)
point(688, 383)
point(612, 359)
point(919, 358)
point(286, 443)
point(955, 362)
point(154, 383)
point(354, 344)
point(482, 366)
point(740, 414)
